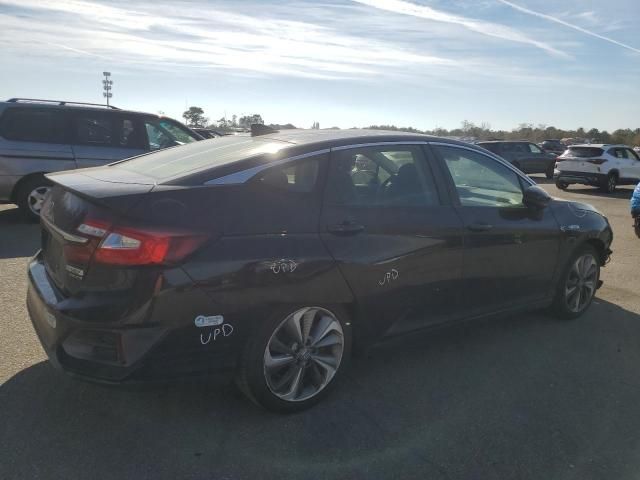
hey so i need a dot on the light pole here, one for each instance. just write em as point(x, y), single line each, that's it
point(106, 86)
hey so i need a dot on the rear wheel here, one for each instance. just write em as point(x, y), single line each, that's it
point(562, 185)
point(31, 195)
point(295, 358)
point(610, 183)
point(578, 284)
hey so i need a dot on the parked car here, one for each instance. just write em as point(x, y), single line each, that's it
point(599, 165)
point(206, 132)
point(270, 261)
point(43, 136)
point(553, 146)
point(525, 156)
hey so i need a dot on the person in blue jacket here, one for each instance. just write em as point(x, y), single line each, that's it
point(635, 209)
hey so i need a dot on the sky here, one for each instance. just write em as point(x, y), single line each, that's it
point(344, 63)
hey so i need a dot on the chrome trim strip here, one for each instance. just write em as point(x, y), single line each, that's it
point(67, 236)
point(376, 144)
point(243, 176)
point(488, 154)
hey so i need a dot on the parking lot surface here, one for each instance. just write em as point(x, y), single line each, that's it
point(518, 397)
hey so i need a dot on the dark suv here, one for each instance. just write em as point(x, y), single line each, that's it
point(269, 258)
point(526, 156)
point(42, 136)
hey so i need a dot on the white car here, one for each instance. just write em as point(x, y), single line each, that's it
point(600, 165)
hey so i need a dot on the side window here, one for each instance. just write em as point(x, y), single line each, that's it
point(481, 181)
point(380, 176)
point(620, 153)
point(299, 176)
point(33, 125)
point(93, 129)
point(158, 137)
point(129, 133)
point(520, 148)
point(632, 155)
point(534, 148)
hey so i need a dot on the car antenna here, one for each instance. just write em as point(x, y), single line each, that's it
point(258, 129)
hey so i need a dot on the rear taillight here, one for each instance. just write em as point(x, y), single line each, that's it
point(596, 161)
point(136, 246)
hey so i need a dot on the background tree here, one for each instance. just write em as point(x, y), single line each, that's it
point(247, 120)
point(194, 117)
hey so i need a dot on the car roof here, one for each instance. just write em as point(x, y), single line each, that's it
point(72, 106)
point(599, 145)
point(311, 136)
point(503, 141)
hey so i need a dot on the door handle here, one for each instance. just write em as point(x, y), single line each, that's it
point(345, 228)
point(479, 227)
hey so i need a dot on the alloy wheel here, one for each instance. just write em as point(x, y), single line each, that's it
point(303, 354)
point(581, 283)
point(36, 198)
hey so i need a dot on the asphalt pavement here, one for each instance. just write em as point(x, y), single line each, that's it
point(527, 397)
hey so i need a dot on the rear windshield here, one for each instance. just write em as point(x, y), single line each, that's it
point(180, 161)
point(584, 152)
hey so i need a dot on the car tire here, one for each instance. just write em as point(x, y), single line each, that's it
point(578, 284)
point(286, 369)
point(562, 185)
point(610, 183)
point(30, 196)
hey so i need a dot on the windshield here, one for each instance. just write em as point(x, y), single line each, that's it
point(584, 152)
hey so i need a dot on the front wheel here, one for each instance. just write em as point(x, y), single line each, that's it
point(578, 284)
point(295, 358)
point(562, 185)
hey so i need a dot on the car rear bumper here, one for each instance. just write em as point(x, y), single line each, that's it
point(584, 178)
point(108, 354)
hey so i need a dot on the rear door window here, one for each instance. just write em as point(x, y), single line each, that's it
point(620, 153)
point(34, 125)
point(300, 177)
point(384, 176)
point(94, 129)
point(129, 133)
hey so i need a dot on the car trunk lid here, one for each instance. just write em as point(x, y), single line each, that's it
point(80, 201)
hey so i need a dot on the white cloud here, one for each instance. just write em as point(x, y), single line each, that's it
point(569, 25)
point(204, 37)
point(485, 28)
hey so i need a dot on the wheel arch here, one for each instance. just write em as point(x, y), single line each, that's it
point(599, 247)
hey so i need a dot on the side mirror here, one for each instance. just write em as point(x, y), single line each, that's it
point(535, 197)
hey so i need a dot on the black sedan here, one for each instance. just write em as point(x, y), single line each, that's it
point(271, 258)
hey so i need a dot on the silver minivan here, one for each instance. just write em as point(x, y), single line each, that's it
point(42, 136)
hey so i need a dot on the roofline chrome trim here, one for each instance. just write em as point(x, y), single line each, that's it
point(69, 237)
point(377, 144)
point(489, 155)
point(243, 176)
